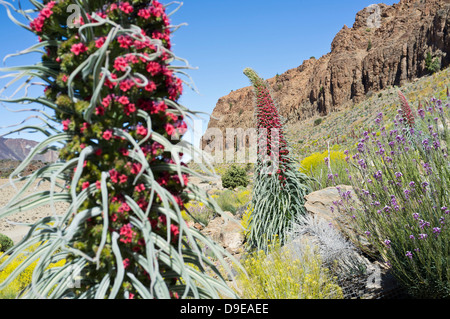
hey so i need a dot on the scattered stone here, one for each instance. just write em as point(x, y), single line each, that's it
point(227, 232)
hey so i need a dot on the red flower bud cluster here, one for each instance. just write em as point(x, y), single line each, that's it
point(406, 111)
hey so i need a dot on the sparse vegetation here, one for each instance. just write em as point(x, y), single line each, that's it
point(8, 166)
point(347, 124)
point(318, 121)
point(432, 65)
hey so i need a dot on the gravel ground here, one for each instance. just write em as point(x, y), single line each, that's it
point(16, 232)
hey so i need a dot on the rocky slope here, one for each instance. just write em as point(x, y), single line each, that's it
point(18, 149)
point(365, 58)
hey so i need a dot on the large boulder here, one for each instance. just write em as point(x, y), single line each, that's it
point(325, 203)
point(227, 231)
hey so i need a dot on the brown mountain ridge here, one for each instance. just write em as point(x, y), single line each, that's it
point(17, 149)
point(363, 59)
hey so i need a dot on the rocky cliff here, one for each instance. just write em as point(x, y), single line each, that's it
point(386, 46)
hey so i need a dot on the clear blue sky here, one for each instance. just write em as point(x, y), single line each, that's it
point(224, 37)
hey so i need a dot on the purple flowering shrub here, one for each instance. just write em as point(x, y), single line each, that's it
point(401, 180)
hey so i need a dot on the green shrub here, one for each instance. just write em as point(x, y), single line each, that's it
point(317, 121)
point(5, 243)
point(432, 65)
point(235, 176)
point(231, 201)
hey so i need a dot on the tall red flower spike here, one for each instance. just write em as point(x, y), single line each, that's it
point(279, 188)
point(407, 113)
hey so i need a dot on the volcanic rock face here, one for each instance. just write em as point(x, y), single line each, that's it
point(386, 46)
point(18, 149)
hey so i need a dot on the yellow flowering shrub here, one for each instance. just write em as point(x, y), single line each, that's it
point(198, 210)
point(312, 162)
point(232, 200)
point(282, 275)
point(23, 280)
point(228, 200)
point(246, 218)
point(316, 166)
point(243, 196)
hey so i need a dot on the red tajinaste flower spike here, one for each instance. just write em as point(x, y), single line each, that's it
point(407, 113)
point(123, 100)
point(144, 13)
point(125, 41)
point(99, 42)
point(150, 87)
point(99, 110)
point(66, 124)
point(116, 109)
point(141, 130)
point(107, 135)
point(154, 68)
point(272, 181)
